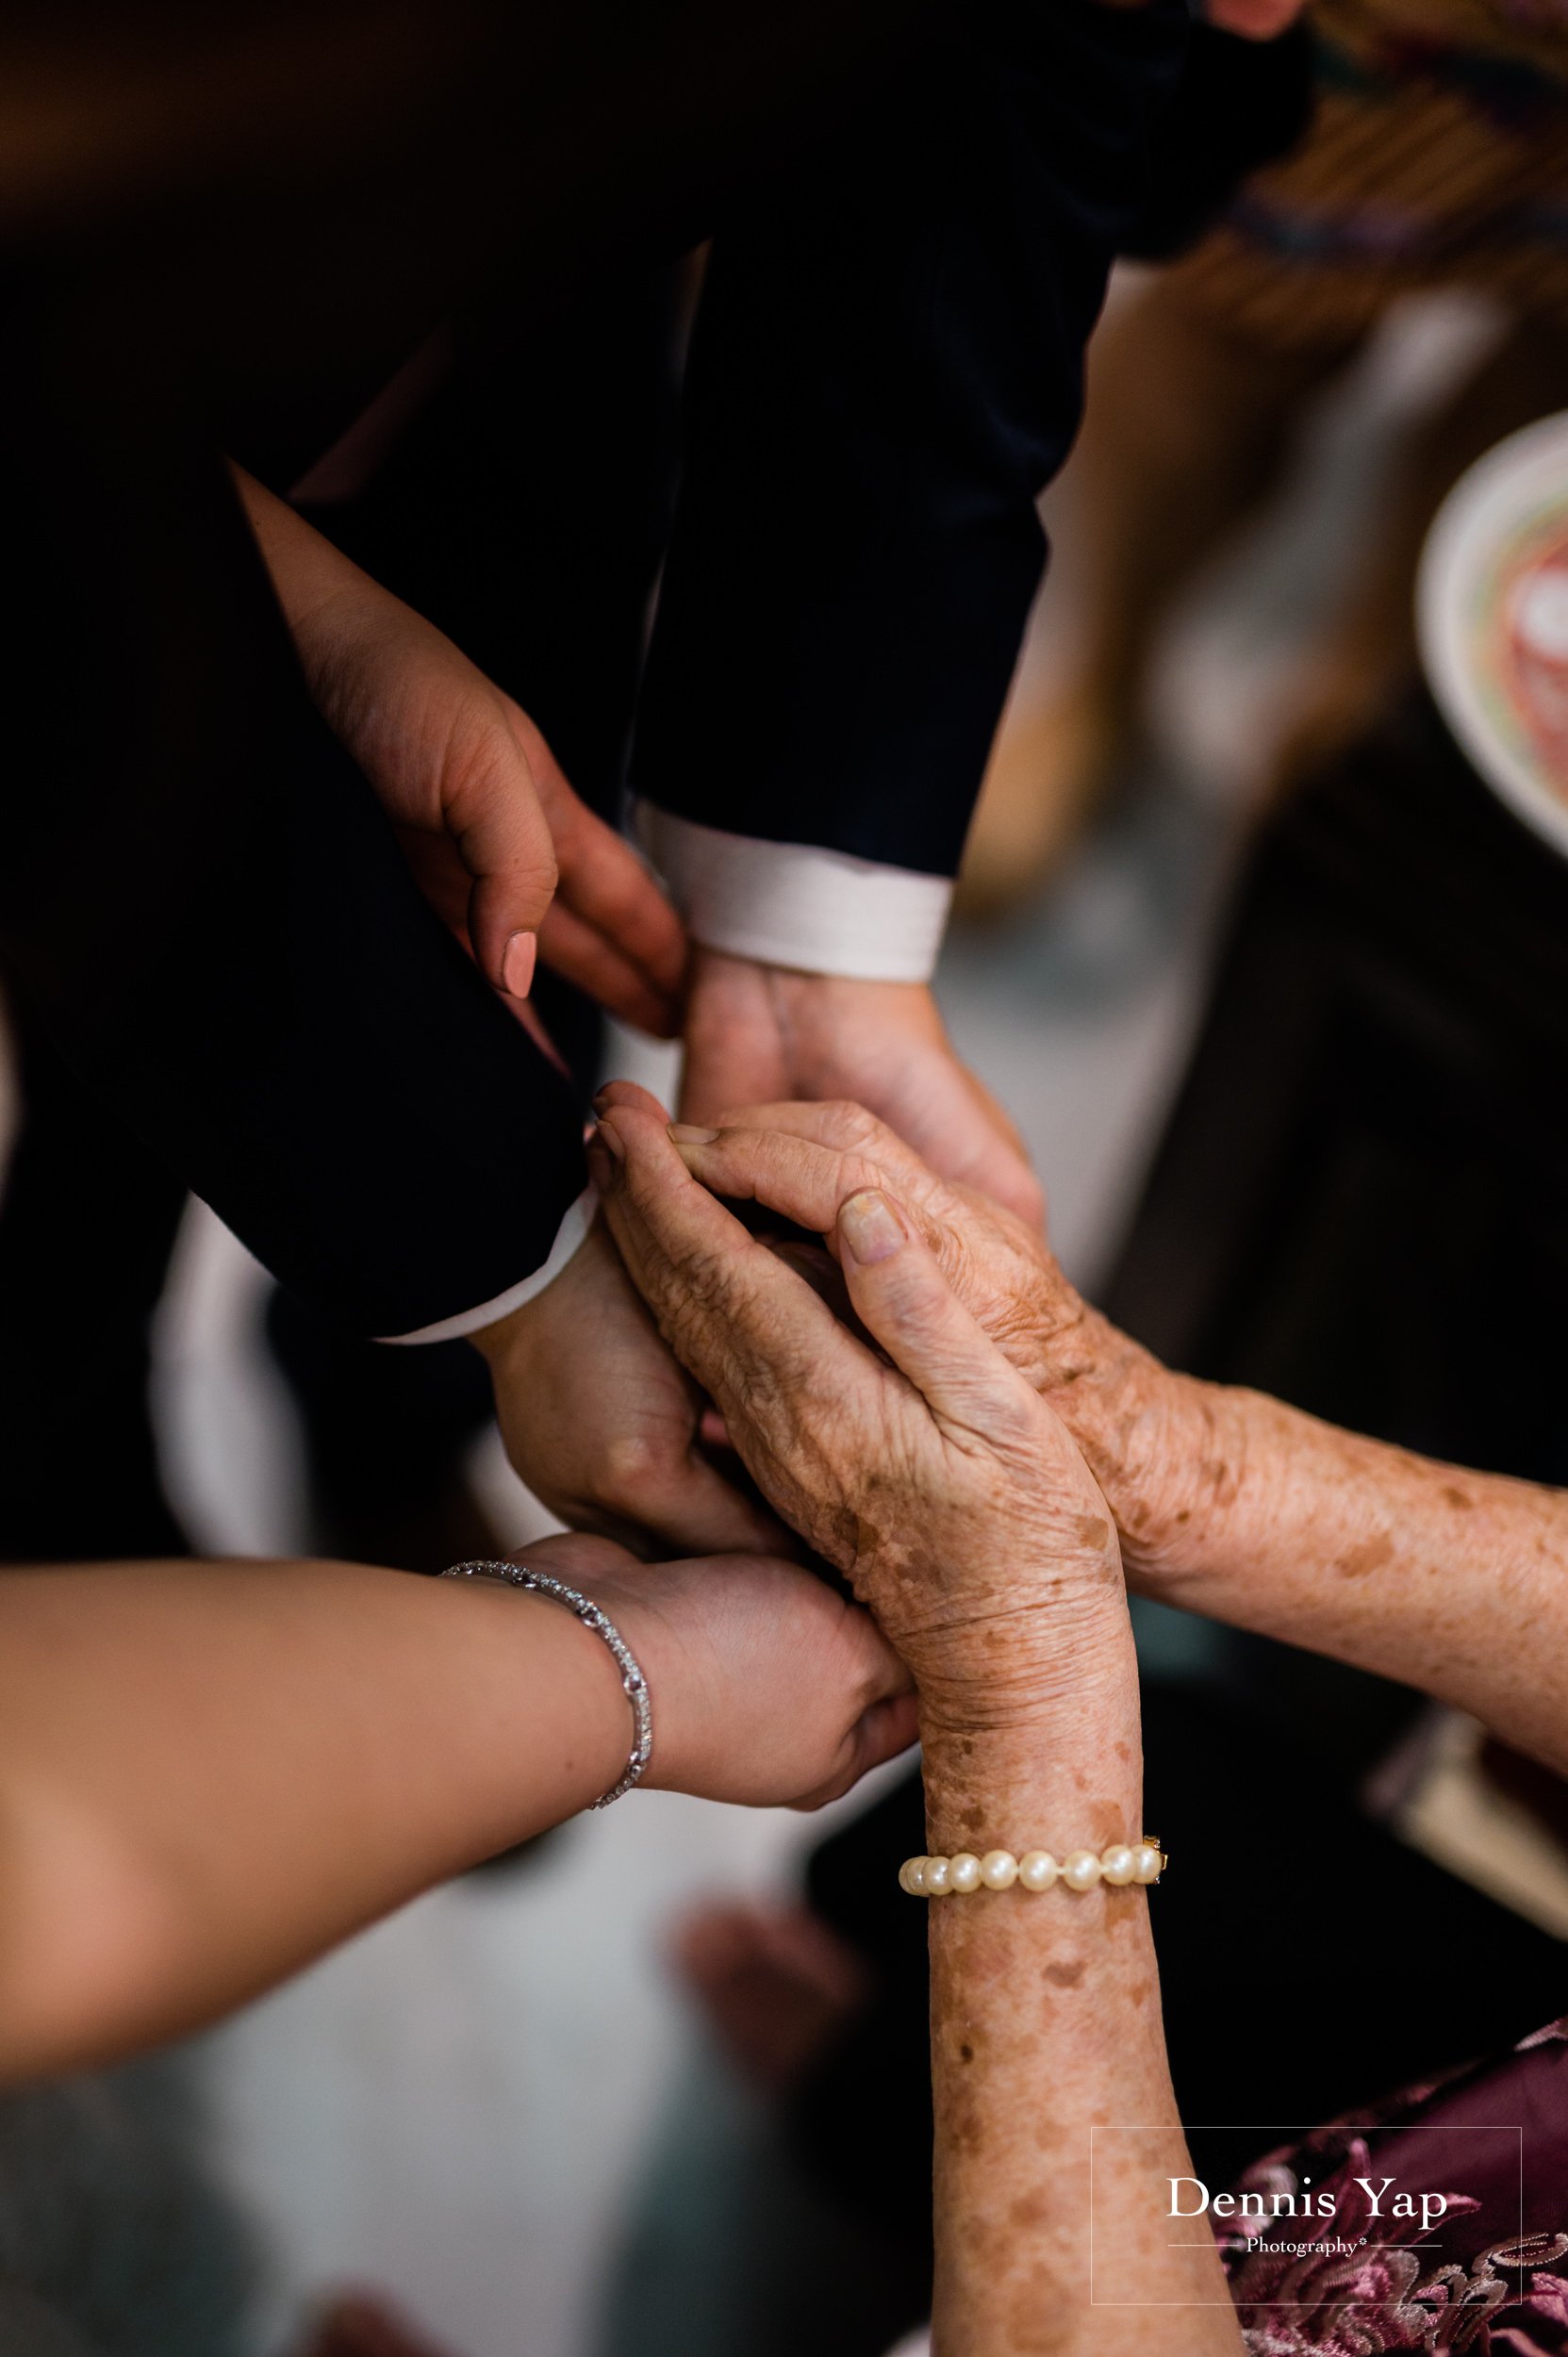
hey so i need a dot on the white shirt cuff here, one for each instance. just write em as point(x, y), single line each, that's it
point(795, 904)
point(568, 1237)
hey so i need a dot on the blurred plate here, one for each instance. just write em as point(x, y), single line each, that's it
point(1492, 612)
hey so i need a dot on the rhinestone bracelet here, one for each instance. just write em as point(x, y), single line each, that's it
point(591, 1616)
point(1124, 1862)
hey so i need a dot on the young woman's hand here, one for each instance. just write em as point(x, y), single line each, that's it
point(933, 1475)
point(605, 1424)
point(505, 852)
point(769, 1686)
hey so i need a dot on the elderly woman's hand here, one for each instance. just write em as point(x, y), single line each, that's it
point(934, 1476)
point(1144, 1431)
point(803, 1161)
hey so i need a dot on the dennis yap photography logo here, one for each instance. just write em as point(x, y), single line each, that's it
point(1191, 2198)
point(1322, 2220)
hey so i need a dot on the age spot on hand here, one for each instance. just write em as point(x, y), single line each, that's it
point(1369, 1557)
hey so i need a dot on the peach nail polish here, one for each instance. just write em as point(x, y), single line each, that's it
point(517, 965)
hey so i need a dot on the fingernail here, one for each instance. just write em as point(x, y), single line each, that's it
point(602, 1164)
point(613, 1140)
point(870, 1228)
point(517, 965)
point(683, 1134)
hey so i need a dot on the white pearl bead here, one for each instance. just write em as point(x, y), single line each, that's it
point(963, 1870)
point(1081, 1871)
point(1146, 1863)
point(998, 1870)
point(908, 1876)
point(1037, 1870)
point(1117, 1864)
point(938, 1877)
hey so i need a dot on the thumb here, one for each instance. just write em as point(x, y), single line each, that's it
point(495, 819)
point(907, 1305)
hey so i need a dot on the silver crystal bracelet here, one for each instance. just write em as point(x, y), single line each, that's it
point(591, 1615)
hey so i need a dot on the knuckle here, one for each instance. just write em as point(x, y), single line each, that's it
point(536, 868)
point(1029, 1198)
point(947, 1246)
point(848, 1125)
point(633, 1463)
point(917, 1293)
point(859, 1174)
point(991, 1432)
point(490, 800)
point(1012, 1421)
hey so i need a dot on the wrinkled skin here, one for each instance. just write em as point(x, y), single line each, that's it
point(912, 1452)
point(1141, 1429)
point(910, 1458)
point(1227, 1503)
point(924, 1468)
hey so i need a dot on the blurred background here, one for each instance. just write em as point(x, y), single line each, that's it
point(461, 2108)
point(1272, 985)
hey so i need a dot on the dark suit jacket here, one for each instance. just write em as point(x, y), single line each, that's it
point(886, 372)
point(200, 896)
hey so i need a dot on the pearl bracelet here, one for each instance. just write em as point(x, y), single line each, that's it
point(1141, 1861)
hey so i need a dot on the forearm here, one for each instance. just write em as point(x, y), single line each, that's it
point(1046, 2024)
point(307, 570)
point(1451, 1581)
point(338, 617)
point(211, 1773)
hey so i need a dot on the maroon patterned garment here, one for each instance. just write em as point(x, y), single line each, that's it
point(1488, 2274)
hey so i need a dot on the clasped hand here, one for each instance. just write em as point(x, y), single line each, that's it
point(886, 1429)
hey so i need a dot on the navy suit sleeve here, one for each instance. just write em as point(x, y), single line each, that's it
point(886, 369)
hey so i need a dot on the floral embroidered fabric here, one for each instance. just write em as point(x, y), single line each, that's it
point(1489, 2275)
